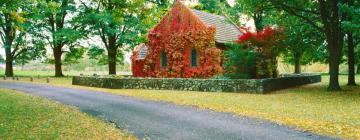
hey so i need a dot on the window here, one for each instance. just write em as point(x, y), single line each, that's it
point(194, 61)
point(163, 59)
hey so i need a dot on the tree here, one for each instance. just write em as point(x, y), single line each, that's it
point(260, 11)
point(16, 23)
point(302, 41)
point(358, 59)
point(74, 55)
point(119, 24)
point(329, 24)
point(35, 50)
point(59, 23)
point(162, 3)
point(219, 7)
point(99, 54)
point(351, 28)
point(213, 6)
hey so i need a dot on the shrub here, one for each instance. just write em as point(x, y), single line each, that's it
point(267, 46)
point(240, 62)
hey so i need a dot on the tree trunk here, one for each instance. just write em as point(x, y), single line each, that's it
point(112, 62)
point(358, 69)
point(335, 42)
point(9, 61)
point(297, 57)
point(57, 57)
point(112, 52)
point(329, 11)
point(351, 60)
point(258, 20)
point(9, 67)
point(334, 72)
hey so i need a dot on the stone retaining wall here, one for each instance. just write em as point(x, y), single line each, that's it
point(207, 85)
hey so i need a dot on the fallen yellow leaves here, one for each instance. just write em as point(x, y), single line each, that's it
point(28, 117)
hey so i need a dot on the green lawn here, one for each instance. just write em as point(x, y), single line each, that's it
point(309, 108)
point(46, 73)
point(29, 117)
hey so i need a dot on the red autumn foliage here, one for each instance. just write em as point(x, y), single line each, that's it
point(179, 32)
point(267, 44)
point(137, 66)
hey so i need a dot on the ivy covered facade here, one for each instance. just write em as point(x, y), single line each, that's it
point(186, 43)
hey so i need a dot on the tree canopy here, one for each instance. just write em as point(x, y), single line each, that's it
point(119, 24)
point(17, 32)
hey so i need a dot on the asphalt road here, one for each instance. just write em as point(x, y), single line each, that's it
point(160, 120)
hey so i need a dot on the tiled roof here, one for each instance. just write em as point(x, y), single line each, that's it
point(225, 30)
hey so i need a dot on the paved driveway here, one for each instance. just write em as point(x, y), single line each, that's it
point(159, 120)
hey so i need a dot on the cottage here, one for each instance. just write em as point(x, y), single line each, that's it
point(186, 43)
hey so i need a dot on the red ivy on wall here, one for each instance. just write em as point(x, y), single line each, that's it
point(177, 34)
point(137, 66)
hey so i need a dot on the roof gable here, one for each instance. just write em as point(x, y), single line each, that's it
point(178, 19)
point(225, 30)
point(181, 18)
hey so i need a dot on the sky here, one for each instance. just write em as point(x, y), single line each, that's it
point(127, 54)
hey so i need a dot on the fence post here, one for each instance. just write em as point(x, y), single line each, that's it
point(47, 80)
point(17, 78)
point(31, 79)
point(4, 77)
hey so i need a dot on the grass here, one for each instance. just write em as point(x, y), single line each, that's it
point(48, 73)
point(29, 117)
point(308, 108)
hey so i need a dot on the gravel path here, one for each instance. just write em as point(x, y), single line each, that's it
point(159, 120)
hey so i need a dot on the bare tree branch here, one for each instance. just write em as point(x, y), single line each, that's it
point(20, 52)
point(103, 38)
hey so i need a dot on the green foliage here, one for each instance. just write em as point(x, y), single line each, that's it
point(213, 6)
point(16, 20)
point(261, 11)
point(219, 7)
point(303, 41)
point(357, 56)
point(121, 25)
point(74, 55)
point(62, 26)
point(99, 54)
point(110, 21)
point(62, 30)
point(240, 62)
point(352, 23)
point(35, 50)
